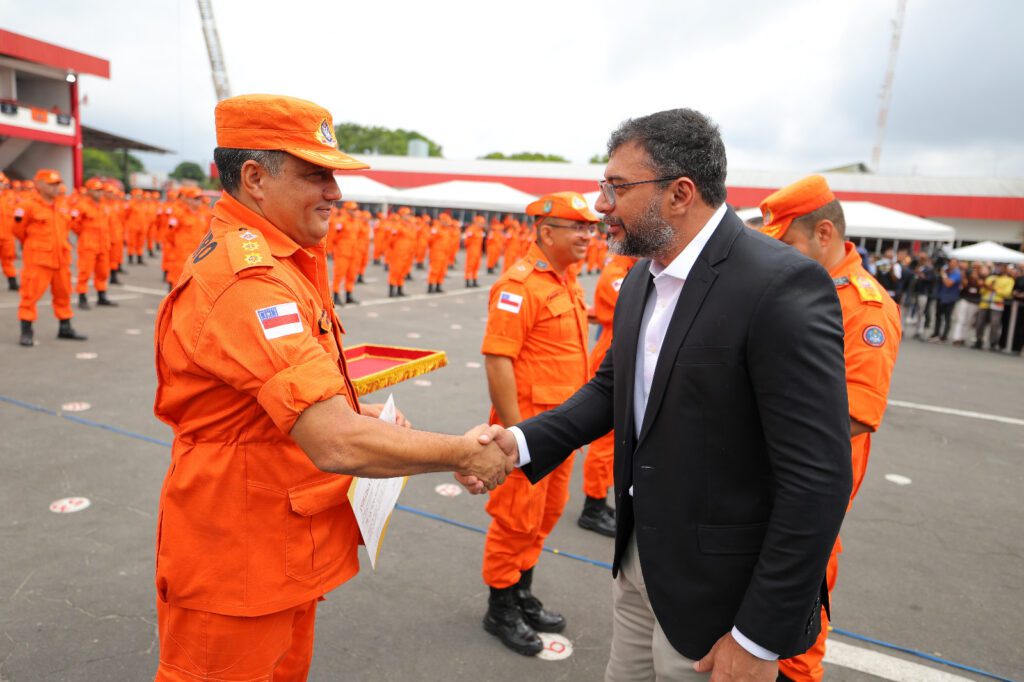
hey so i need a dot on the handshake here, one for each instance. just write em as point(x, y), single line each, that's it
point(492, 456)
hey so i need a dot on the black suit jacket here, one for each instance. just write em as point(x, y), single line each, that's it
point(742, 469)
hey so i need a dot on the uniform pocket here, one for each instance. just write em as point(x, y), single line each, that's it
point(550, 395)
point(316, 513)
point(732, 539)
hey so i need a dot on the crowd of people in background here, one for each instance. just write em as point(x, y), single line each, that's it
point(948, 300)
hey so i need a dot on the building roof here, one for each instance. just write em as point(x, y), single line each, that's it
point(980, 198)
point(31, 50)
point(99, 139)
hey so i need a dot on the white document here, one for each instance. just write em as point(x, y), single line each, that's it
point(374, 499)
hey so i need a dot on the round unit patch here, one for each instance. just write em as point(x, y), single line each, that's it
point(75, 407)
point(69, 505)
point(874, 336)
point(556, 647)
point(448, 490)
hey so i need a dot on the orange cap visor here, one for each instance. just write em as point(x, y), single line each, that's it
point(275, 122)
point(781, 208)
point(567, 205)
point(48, 176)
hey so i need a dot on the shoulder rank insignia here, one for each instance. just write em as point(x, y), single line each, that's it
point(520, 271)
point(868, 290)
point(840, 281)
point(247, 249)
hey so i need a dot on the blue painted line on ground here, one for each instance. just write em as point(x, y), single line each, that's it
point(483, 531)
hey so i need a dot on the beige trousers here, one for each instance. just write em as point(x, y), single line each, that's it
point(640, 650)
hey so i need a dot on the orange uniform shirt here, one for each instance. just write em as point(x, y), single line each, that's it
point(539, 319)
point(606, 294)
point(871, 321)
point(245, 342)
point(92, 225)
point(43, 230)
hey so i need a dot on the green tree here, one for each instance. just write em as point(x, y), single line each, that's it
point(599, 158)
point(359, 139)
point(527, 156)
point(106, 164)
point(189, 170)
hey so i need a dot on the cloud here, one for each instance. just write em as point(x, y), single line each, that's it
point(794, 84)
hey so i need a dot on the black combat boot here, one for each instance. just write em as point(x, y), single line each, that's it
point(83, 302)
point(350, 299)
point(419, 266)
point(534, 613)
point(337, 299)
point(490, 271)
point(505, 621)
point(101, 299)
point(430, 288)
point(26, 334)
point(67, 332)
point(138, 260)
point(391, 291)
point(438, 289)
point(469, 284)
point(359, 279)
point(150, 253)
point(399, 292)
point(113, 277)
point(12, 283)
point(597, 517)
point(475, 284)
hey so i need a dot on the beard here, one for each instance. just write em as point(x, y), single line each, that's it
point(648, 237)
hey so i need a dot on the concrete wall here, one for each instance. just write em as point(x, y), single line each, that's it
point(42, 155)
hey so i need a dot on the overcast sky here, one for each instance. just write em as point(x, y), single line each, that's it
point(794, 84)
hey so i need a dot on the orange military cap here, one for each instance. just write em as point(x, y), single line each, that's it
point(189, 192)
point(567, 205)
point(136, 192)
point(94, 183)
point(781, 208)
point(350, 205)
point(300, 128)
point(48, 176)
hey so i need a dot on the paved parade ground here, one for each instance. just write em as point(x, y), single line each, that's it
point(934, 558)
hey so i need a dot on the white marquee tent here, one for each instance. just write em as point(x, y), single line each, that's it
point(473, 196)
point(987, 252)
point(362, 189)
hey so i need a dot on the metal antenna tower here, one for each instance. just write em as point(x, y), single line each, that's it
point(217, 67)
point(886, 94)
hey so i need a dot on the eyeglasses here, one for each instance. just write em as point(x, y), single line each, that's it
point(608, 189)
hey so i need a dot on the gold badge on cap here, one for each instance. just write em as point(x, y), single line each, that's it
point(324, 134)
point(767, 216)
point(547, 206)
point(578, 203)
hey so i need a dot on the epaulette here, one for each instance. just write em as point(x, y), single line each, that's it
point(247, 249)
point(867, 288)
point(520, 271)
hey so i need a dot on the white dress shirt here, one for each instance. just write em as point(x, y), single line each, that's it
point(668, 284)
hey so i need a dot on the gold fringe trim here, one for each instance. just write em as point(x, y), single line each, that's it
point(396, 375)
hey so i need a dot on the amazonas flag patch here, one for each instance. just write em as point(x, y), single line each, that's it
point(280, 320)
point(510, 302)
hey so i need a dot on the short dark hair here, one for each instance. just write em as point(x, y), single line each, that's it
point(230, 161)
point(680, 142)
point(832, 211)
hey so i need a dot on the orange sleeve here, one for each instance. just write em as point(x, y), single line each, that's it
point(285, 374)
point(871, 346)
point(510, 315)
point(606, 294)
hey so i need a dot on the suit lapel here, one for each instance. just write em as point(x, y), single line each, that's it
point(630, 308)
point(695, 289)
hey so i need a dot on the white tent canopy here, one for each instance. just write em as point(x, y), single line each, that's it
point(865, 219)
point(362, 189)
point(474, 196)
point(987, 252)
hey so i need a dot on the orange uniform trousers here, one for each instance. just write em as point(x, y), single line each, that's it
point(199, 645)
point(599, 467)
point(522, 517)
point(35, 280)
point(95, 264)
point(346, 267)
point(473, 253)
point(8, 254)
point(399, 265)
point(438, 264)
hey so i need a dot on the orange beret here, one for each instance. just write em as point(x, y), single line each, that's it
point(301, 128)
point(567, 205)
point(48, 176)
point(781, 208)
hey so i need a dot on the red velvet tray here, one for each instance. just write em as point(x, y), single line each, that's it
point(372, 367)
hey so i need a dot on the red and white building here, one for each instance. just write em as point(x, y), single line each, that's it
point(978, 208)
point(40, 124)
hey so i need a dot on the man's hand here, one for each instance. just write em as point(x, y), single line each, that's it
point(729, 662)
point(504, 440)
point(488, 464)
point(374, 410)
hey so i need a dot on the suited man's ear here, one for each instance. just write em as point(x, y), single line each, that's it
point(683, 194)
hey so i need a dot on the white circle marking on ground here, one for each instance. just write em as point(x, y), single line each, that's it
point(456, 327)
point(473, 365)
point(448, 490)
point(897, 479)
point(405, 309)
point(86, 356)
point(372, 314)
point(68, 505)
point(414, 335)
point(556, 647)
point(151, 311)
point(422, 382)
point(132, 332)
point(75, 407)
